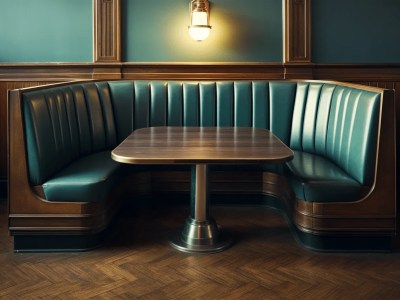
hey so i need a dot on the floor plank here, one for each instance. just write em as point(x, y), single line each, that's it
point(136, 262)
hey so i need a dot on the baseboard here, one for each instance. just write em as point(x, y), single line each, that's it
point(57, 243)
point(349, 243)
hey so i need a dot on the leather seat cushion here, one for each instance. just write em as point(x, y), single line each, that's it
point(89, 179)
point(317, 179)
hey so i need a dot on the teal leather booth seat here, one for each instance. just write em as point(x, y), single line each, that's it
point(333, 128)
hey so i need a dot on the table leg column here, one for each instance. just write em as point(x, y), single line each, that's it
point(199, 193)
point(200, 233)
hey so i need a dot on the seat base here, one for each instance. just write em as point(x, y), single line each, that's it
point(349, 243)
point(57, 242)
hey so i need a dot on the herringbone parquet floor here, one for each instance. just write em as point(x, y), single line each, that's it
point(137, 263)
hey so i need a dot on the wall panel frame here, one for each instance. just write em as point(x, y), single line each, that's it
point(107, 31)
point(297, 33)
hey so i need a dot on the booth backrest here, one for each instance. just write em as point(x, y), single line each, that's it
point(334, 121)
point(63, 124)
point(338, 123)
point(244, 104)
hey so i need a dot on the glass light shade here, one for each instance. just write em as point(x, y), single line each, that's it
point(199, 33)
point(199, 28)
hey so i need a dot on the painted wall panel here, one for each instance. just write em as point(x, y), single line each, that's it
point(243, 31)
point(46, 31)
point(357, 31)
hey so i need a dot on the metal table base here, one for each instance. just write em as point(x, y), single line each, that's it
point(200, 234)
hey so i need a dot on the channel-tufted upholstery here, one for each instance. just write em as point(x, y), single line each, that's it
point(338, 126)
point(333, 130)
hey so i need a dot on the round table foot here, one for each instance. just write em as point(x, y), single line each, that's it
point(200, 237)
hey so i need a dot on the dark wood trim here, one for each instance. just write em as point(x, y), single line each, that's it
point(56, 71)
point(357, 72)
point(199, 71)
point(107, 31)
point(183, 71)
point(203, 71)
point(299, 71)
point(297, 31)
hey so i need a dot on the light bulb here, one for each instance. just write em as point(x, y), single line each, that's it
point(199, 33)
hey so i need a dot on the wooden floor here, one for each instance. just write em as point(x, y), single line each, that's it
point(137, 263)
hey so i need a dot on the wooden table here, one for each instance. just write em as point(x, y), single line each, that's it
point(200, 146)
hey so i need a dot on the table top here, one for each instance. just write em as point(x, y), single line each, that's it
point(194, 145)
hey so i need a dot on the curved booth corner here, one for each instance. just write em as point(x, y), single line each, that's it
point(344, 135)
point(353, 234)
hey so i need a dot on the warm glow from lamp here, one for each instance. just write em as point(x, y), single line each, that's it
point(199, 28)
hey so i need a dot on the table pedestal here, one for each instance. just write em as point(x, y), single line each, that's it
point(200, 234)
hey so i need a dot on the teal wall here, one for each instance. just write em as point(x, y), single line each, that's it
point(46, 31)
point(356, 31)
point(243, 31)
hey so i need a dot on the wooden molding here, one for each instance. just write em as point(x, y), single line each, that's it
point(299, 71)
point(357, 72)
point(297, 31)
point(107, 28)
point(10, 72)
point(146, 71)
point(203, 71)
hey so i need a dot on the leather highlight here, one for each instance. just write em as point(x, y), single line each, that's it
point(261, 110)
point(242, 104)
point(225, 108)
point(108, 114)
point(175, 104)
point(158, 103)
point(123, 103)
point(95, 117)
point(141, 117)
point(207, 104)
point(282, 99)
point(190, 104)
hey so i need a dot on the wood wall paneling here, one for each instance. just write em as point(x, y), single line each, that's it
point(298, 31)
point(107, 42)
